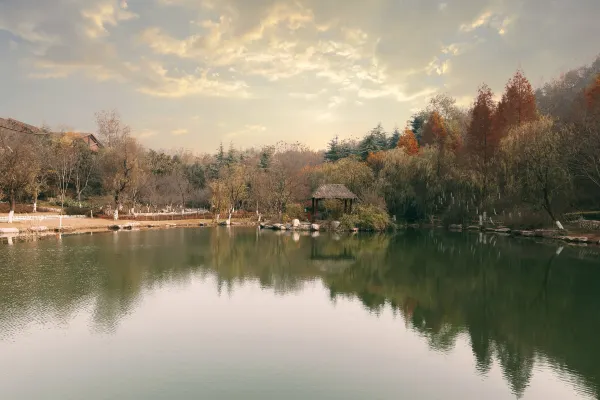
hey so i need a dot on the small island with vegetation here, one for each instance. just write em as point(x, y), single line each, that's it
point(528, 164)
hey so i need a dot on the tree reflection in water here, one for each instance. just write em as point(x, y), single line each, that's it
point(518, 302)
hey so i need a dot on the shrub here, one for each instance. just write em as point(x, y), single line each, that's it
point(334, 209)
point(456, 216)
point(294, 211)
point(78, 211)
point(527, 219)
point(366, 218)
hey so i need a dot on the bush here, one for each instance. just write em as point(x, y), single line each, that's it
point(366, 218)
point(456, 216)
point(334, 209)
point(294, 211)
point(527, 219)
point(78, 211)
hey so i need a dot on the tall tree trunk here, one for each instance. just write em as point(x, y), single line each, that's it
point(35, 199)
point(117, 206)
point(547, 205)
point(11, 213)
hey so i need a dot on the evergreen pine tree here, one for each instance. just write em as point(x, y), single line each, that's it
point(394, 138)
point(333, 150)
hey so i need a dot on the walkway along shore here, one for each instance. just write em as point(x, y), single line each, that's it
point(21, 230)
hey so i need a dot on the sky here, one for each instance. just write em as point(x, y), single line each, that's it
point(195, 73)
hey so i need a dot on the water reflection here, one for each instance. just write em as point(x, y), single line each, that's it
point(520, 304)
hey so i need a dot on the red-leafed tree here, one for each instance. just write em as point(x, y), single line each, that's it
point(481, 143)
point(592, 94)
point(435, 134)
point(408, 142)
point(434, 131)
point(518, 105)
point(376, 161)
point(480, 140)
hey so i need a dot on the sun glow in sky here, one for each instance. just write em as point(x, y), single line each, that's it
point(193, 73)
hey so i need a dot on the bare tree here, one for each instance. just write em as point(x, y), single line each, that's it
point(85, 165)
point(62, 164)
point(16, 154)
point(119, 167)
point(111, 129)
point(41, 171)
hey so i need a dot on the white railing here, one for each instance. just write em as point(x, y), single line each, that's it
point(176, 213)
point(39, 217)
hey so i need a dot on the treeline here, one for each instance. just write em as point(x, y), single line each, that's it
point(64, 170)
point(523, 160)
point(122, 175)
point(526, 159)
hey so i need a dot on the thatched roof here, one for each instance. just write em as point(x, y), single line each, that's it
point(333, 191)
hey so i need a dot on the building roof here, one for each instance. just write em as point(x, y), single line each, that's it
point(333, 191)
point(20, 127)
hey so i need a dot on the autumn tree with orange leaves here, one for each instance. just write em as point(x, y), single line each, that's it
point(587, 164)
point(375, 160)
point(517, 107)
point(434, 131)
point(408, 142)
point(481, 143)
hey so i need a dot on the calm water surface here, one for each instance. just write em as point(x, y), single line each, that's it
point(237, 314)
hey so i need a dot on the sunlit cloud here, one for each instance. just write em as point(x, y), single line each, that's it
point(288, 64)
point(179, 132)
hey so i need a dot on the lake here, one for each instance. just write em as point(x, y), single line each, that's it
point(234, 313)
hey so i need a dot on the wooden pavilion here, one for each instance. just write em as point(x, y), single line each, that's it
point(333, 192)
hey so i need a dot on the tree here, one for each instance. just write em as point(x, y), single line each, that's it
point(266, 156)
point(592, 94)
point(85, 166)
point(17, 150)
point(375, 161)
point(537, 155)
point(62, 162)
point(110, 128)
point(479, 140)
point(481, 143)
point(416, 125)
point(436, 135)
point(408, 142)
point(333, 150)
point(41, 170)
point(518, 105)
point(394, 138)
point(587, 162)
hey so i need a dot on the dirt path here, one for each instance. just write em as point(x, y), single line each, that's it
point(97, 224)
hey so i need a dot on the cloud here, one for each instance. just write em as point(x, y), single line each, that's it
point(157, 81)
point(145, 133)
point(335, 101)
point(107, 12)
point(298, 60)
point(247, 130)
point(179, 132)
point(479, 21)
point(307, 96)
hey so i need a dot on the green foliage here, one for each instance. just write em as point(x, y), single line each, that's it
point(195, 175)
point(354, 174)
point(366, 218)
point(394, 138)
point(294, 211)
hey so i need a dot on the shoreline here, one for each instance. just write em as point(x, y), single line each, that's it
point(26, 230)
